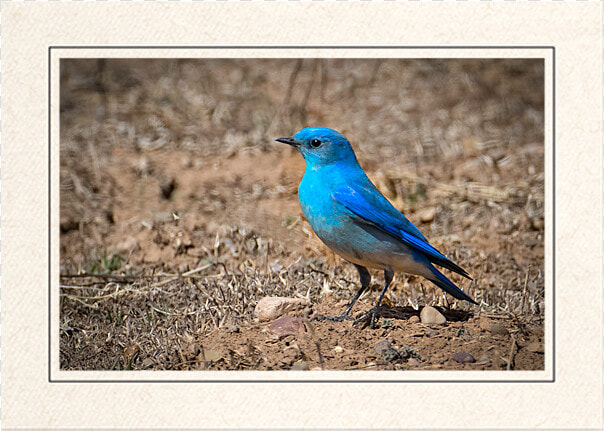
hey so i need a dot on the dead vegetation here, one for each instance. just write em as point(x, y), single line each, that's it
point(178, 213)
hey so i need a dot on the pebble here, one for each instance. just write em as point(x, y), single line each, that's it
point(463, 357)
point(498, 329)
point(484, 358)
point(431, 315)
point(414, 362)
point(408, 352)
point(272, 307)
point(209, 355)
point(535, 347)
point(338, 349)
point(427, 215)
point(385, 349)
point(494, 328)
point(287, 325)
point(413, 319)
point(131, 352)
point(300, 366)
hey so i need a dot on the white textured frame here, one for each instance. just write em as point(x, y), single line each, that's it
point(570, 398)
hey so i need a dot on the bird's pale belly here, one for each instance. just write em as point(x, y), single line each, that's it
point(366, 245)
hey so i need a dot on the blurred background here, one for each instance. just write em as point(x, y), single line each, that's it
point(177, 204)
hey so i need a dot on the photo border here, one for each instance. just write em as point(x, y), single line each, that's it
point(293, 380)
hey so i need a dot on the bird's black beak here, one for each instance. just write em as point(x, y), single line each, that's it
point(288, 141)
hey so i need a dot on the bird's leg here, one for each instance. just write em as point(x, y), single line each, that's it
point(365, 280)
point(388, 276)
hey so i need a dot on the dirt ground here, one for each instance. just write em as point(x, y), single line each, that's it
point(179, 212)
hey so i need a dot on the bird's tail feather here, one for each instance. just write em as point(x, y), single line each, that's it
point(448, 286)
point(451, 266)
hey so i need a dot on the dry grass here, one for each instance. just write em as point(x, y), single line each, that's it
point(178, 212)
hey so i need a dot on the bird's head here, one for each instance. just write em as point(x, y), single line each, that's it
point(321, 146)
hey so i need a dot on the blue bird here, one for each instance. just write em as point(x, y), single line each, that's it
point(352, 217)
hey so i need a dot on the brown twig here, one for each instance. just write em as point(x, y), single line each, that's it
point(511, 355)
point(311, 328)
point(524, 290)
point(126, 278)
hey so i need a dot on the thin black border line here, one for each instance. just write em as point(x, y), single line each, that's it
point(553, 50)
point(553, 214)
point(50, 221)
point(142, 46)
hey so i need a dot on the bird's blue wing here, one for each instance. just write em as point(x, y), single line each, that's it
point(369, 203)
point(369, 206)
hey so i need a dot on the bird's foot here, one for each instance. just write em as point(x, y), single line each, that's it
point(368, 318)
point(340, 318)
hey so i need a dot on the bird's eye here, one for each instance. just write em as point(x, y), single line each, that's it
point(315, 143)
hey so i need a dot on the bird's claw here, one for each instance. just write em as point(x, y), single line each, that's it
point(367, 316)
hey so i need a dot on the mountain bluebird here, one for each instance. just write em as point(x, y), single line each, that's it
point(350, 215)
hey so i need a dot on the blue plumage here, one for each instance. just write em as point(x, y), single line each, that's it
point(350, 215)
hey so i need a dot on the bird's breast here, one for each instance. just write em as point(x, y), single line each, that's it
point(317, 205)
point(329, 220)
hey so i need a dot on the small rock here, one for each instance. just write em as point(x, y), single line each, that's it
point(414, 362)
point(407, 352)
point(535, 347)
point(287, 325)
point(272, 307)
point(498, 329)
point(338, 349)
point(131, 352)
point(537, 224)
point(484, 358)
point(300, 366)
point(209, 355)
point(385, 349)
point(413, 319)
point(463, 357)
point(386, 323)
point(494, 328)
point(427, 215)
point(431, 315)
